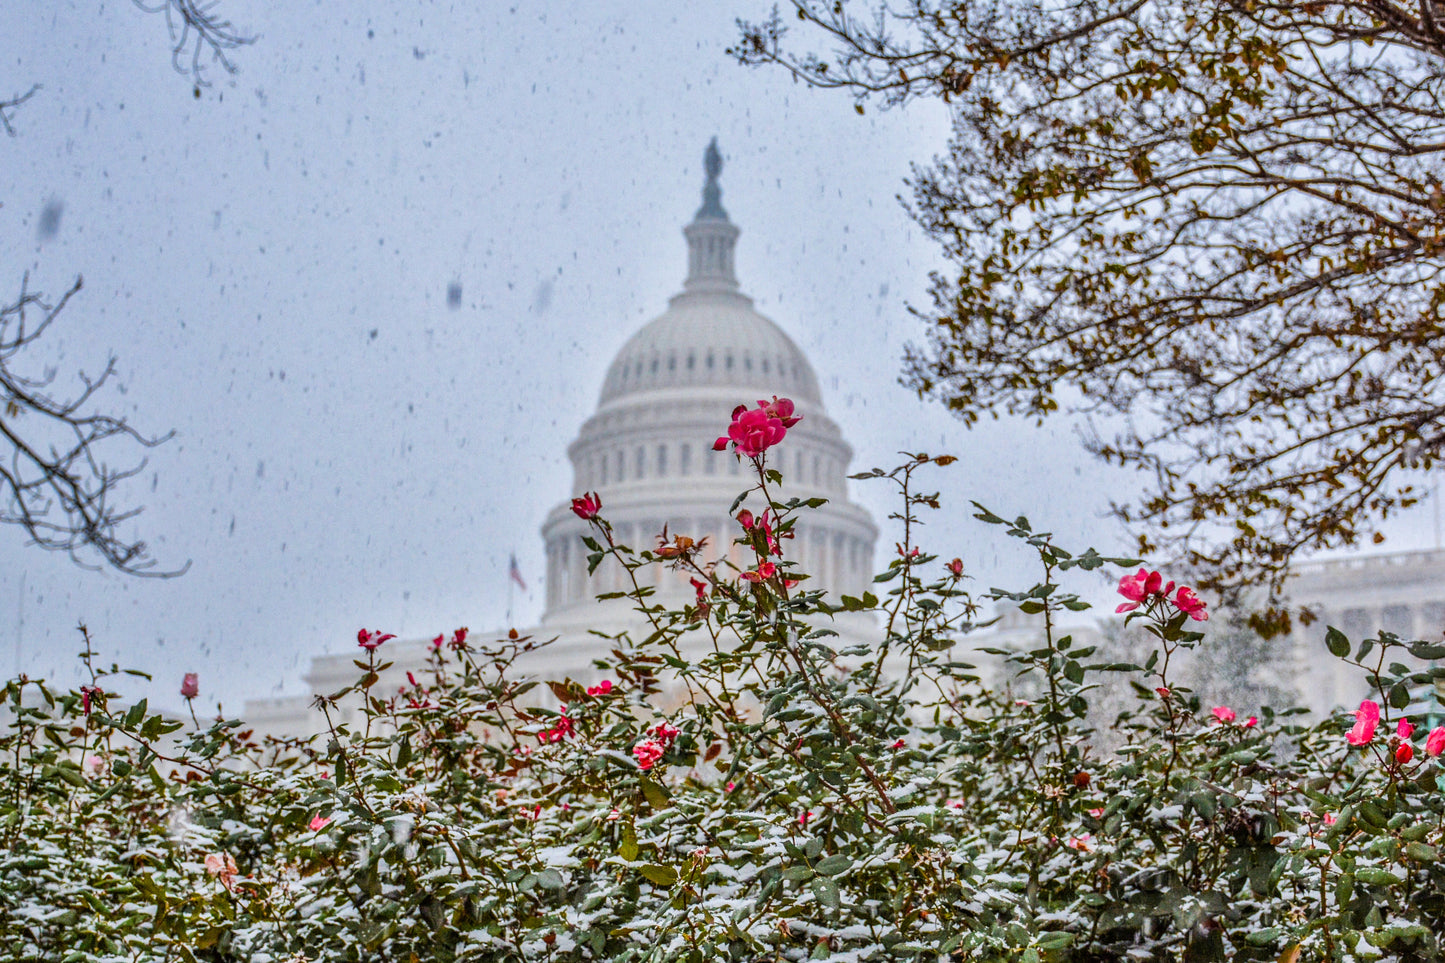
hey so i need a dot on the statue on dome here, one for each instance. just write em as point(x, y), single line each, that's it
point(711, 192)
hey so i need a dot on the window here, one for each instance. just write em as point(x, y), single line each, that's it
point(684, 460)
point(661, 461)
point(641, 463)
point(1399, 621)
point(1434, 625)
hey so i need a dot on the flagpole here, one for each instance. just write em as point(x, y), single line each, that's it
point(510, 586)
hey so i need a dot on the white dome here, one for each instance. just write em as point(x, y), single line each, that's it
point(712, 339)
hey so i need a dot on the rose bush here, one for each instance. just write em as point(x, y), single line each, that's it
point(741, 786)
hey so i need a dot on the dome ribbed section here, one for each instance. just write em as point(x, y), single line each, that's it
point(712, 339)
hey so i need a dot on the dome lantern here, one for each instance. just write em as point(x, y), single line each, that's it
point(711, 237)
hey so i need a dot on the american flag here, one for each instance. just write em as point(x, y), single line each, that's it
point(516, 573)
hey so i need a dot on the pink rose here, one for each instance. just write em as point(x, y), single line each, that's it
point(560, 731)
point(1404, 752)
point(955, 568)
point(781, 409)
point(1132, 587)
point(587, 507)
point(190, 685)
point(1224, 714)
point(371, 641)
point(765, 571)
point(1251, 722)
point(1366, 718)
point(1404, 728)
point(1435, 742)
point(647, 753)
point(755, 430)
point(1190, 604)
point(601, 688)
point(318, 822)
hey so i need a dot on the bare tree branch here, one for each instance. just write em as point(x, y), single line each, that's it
point(55, 482)
point(196, 31)
point(8, 106)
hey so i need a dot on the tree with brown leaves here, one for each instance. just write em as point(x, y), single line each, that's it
point(1217, 230)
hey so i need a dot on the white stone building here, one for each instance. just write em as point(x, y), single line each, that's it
point(648, 452)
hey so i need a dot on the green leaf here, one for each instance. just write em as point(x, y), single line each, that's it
point(657, 874)
point(1399, 695)
point(1422, 852)
point(826, 892)
point(627, 849)
point(1429, 651)
point(1336, 642)
point(833, 865)
point(984, 515)
point(657, 797)
point(135, 715)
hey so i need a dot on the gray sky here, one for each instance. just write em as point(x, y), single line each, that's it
point(271, 264)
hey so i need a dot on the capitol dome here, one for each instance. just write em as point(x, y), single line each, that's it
point(648, 448)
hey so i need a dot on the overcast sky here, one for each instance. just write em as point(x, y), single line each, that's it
point(271, 263)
